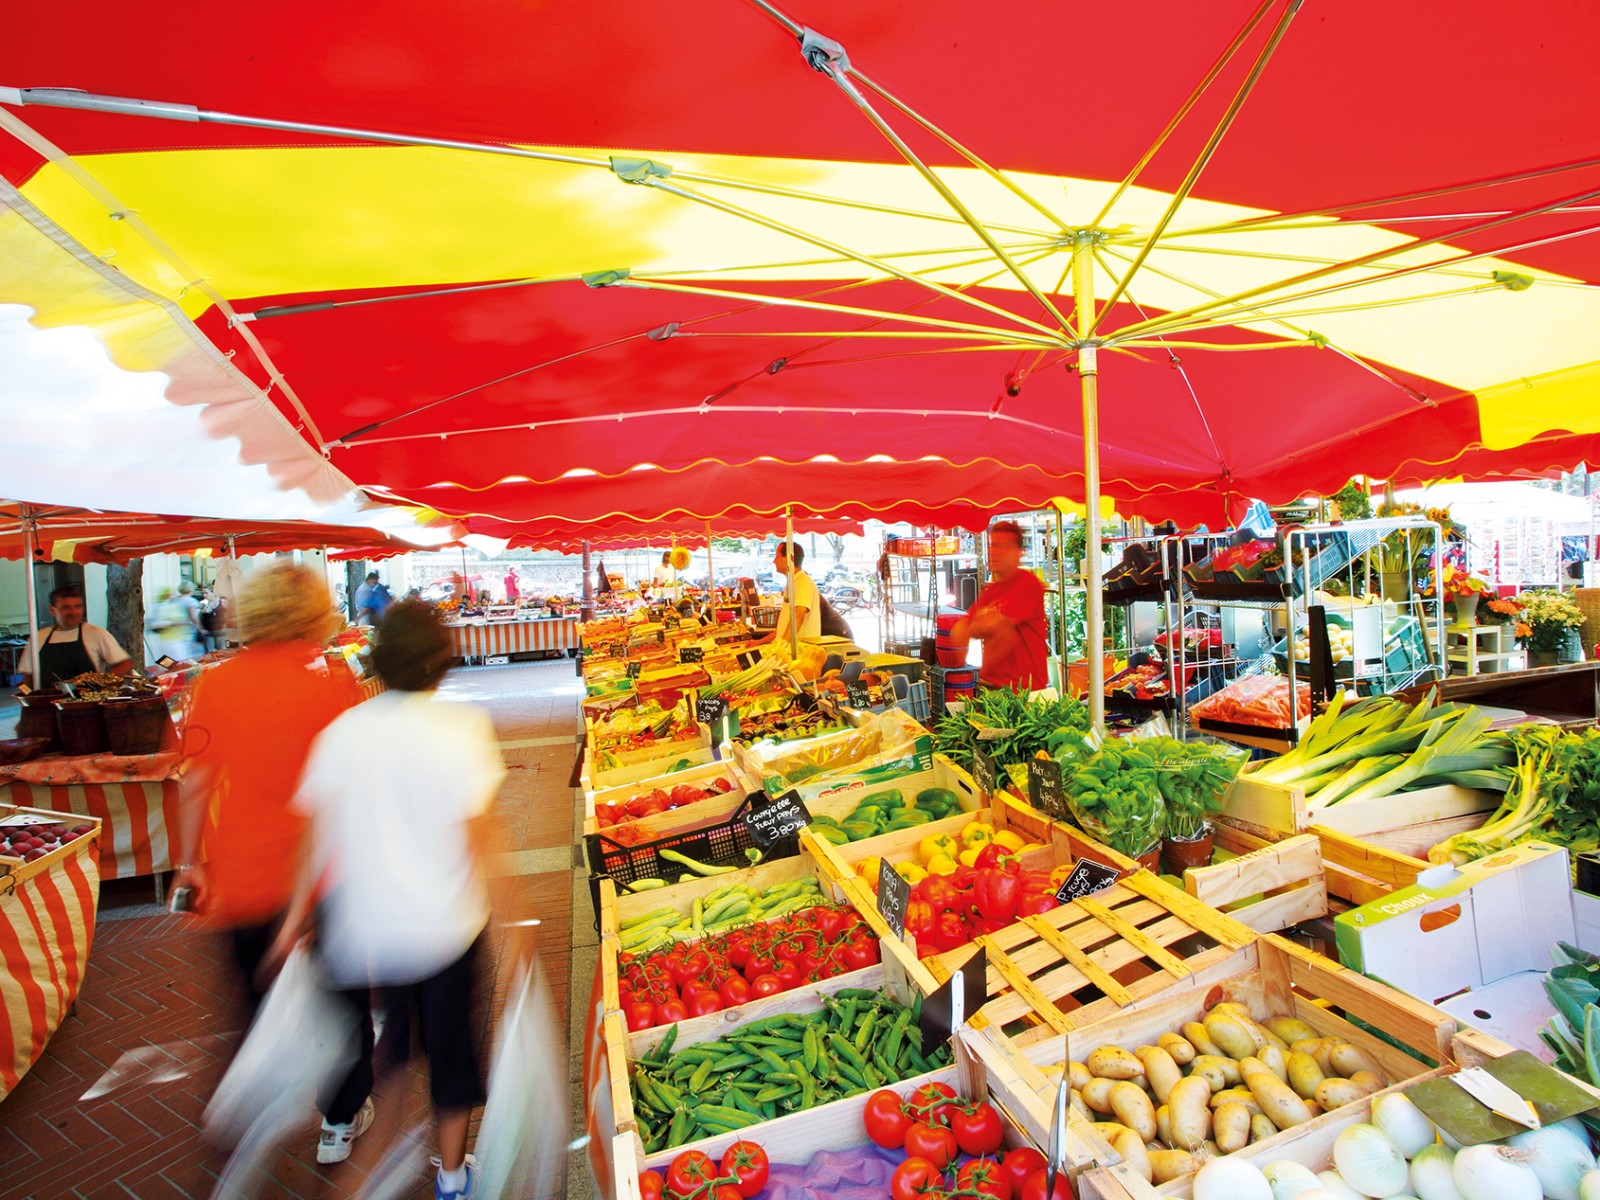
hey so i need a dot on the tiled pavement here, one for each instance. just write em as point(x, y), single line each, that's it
point(112, 1109)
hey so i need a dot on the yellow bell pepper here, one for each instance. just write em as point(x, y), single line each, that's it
point(869, 867)
point(935, 844)
point(969, 856)
point(1059, 875)
point(1031, 846)
point(942, 864)
point(1007, 840)
point(976, 833)
point(911, 872)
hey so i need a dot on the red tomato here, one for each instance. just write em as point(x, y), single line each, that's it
point(765, 984)
point(932, 1103)
point(650, 1184)
point(641, 1015)
point(723, 1191)
point(858, 953)
point(758, 963)
point(932, 1142)
point(670, 1012)
point(734, 990)
point(703, 1004)
point(886, 1119)
point(1033, 1189)
point(789, 975)
point(690, 1171)
point(1020, 1163)
point(916, 1179)
point(977, 1129)
point(984, 1176)
point(746, 1162)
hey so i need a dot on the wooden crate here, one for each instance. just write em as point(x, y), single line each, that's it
point(896, 732)
point(1356, 870)
point(14, 871)
point(1310, 1145)
point(1282, 882)
point(1051, 973)
point(593, 778)
point(1271, 976)
point(712, 808)
point(1285, 808)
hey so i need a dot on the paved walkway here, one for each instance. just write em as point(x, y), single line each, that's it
point(112, 1109)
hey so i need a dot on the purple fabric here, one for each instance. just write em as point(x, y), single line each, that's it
point(835, 1175)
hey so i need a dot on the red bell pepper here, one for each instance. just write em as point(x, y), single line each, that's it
point(988, 856)
point(1035, 903)
point(997, 894)
point(938, 891)
point(919, 919)
point(949, 931)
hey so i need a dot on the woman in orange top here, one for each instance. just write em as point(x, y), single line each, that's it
point(246, 740)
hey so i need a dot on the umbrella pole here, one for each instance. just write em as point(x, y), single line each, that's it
point(788, 539)
point(1088, 373)
point(1061, 607)
point(29, 546)
point(711, 576)
point(586, 603)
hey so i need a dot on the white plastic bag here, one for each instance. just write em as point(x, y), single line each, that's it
point(522, 1141)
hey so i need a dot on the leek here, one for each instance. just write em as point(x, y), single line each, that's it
point(1526, 809)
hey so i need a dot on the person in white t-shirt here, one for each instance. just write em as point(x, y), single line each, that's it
point(806, 612)
point(70, 646)
point(398, 791)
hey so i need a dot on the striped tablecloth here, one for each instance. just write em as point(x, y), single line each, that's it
point(137, 814)
point(46, 927)
point(481, 639)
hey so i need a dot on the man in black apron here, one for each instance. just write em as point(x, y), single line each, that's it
point(71, 646)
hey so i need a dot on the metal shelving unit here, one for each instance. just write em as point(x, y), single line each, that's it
point(912, 594)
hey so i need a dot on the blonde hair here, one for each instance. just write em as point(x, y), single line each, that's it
point(286, 602)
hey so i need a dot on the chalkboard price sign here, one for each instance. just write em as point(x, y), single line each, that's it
point(1044, 788)
point(748, 659)
point(616, 650)
point(670, 620)
point(894, 893)
point(983, 770)
point(709, 708)
point(1085, 879)
point(689, 654)
point(633, 669)
point(772, 820)
point(857, 695)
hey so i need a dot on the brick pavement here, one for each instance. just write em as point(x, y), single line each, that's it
point(112, 1109)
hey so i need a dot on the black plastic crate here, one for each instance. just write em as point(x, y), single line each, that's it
point(719, 844)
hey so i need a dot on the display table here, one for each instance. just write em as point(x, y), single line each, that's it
point(135, 796)
point(483, 638)
point(47, 914)
point(1476, 650)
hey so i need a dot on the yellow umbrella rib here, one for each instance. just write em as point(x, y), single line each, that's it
point(1363, 306)
point(1192, 176)
point(1188, 283)
point(1307, 259)
point(865, 259)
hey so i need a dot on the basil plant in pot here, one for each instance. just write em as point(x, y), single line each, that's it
point(1193, 778)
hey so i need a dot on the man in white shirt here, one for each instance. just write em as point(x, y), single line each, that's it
point(805, 614)
point(71, 646)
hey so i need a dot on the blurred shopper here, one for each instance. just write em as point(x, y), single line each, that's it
point(372, 598)
point(1008, 617)
point(247, 737)
point(805, 613)
point(176, 623)
point(513, 589)
point(69, 645)
point(398, 792)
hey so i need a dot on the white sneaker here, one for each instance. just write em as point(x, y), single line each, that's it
point(334, 1145)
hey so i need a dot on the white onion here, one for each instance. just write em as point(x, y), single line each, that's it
point(1559, 1155)
point(1589, 1186)
point(1403, 1123)
point(1289, 1179)
point(1231, 1179)
point(1369, 1162)
point(1495, 1173)
point(1334, 1182)
point(1430, 1174)
point(1320, 1194)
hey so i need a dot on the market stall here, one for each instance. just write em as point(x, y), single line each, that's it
point(48, 900)
point(481, 637)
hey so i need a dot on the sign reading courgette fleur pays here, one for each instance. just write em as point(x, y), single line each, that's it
point(771, 821)
point(1045, 791)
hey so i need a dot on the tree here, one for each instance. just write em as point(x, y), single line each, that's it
point(836, 543)
point(355, 574)
point(125, 608)
point(729, 545)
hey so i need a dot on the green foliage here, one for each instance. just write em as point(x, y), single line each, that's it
point(1025, 727)
point(1353, 501)
point(1115, 795)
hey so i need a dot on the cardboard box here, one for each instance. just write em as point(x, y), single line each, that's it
point(1480, 934)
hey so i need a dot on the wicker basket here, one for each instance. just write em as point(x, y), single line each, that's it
point(1589, 605)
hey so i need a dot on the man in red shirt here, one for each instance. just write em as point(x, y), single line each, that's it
point(1008, 617)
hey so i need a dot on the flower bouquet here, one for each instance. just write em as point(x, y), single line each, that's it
point(1550, 616)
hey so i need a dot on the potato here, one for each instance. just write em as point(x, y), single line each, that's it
point(1113, 1062)
point(1080, 1075)
point(1227, 1032)
point(1164, 1125)
point(1261, 1127)
point(1347, 1059)
point(1368, 1081)
point(1291, 1029)
point(1083, 1109)
point(1277, 1099)
point(1188, 1114)
point(1316, 1109)
point(1336, 1093)
point(1133, 1108)
point(1273, 1040)
point(1303, 1074)
point(1319, 1049)
point(1273, 1060)
point(1235, 1095)
point(1159, 1070)
point(1180, 1049)
point(1218, 1070)
point(1167, 1165)
point(1231, 1124)
point(1110, 1130)
point(1133, 1152)
point(1249, 1065)
point(1195, 1034)
point(1097, 1094)
point(1241, 1013)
